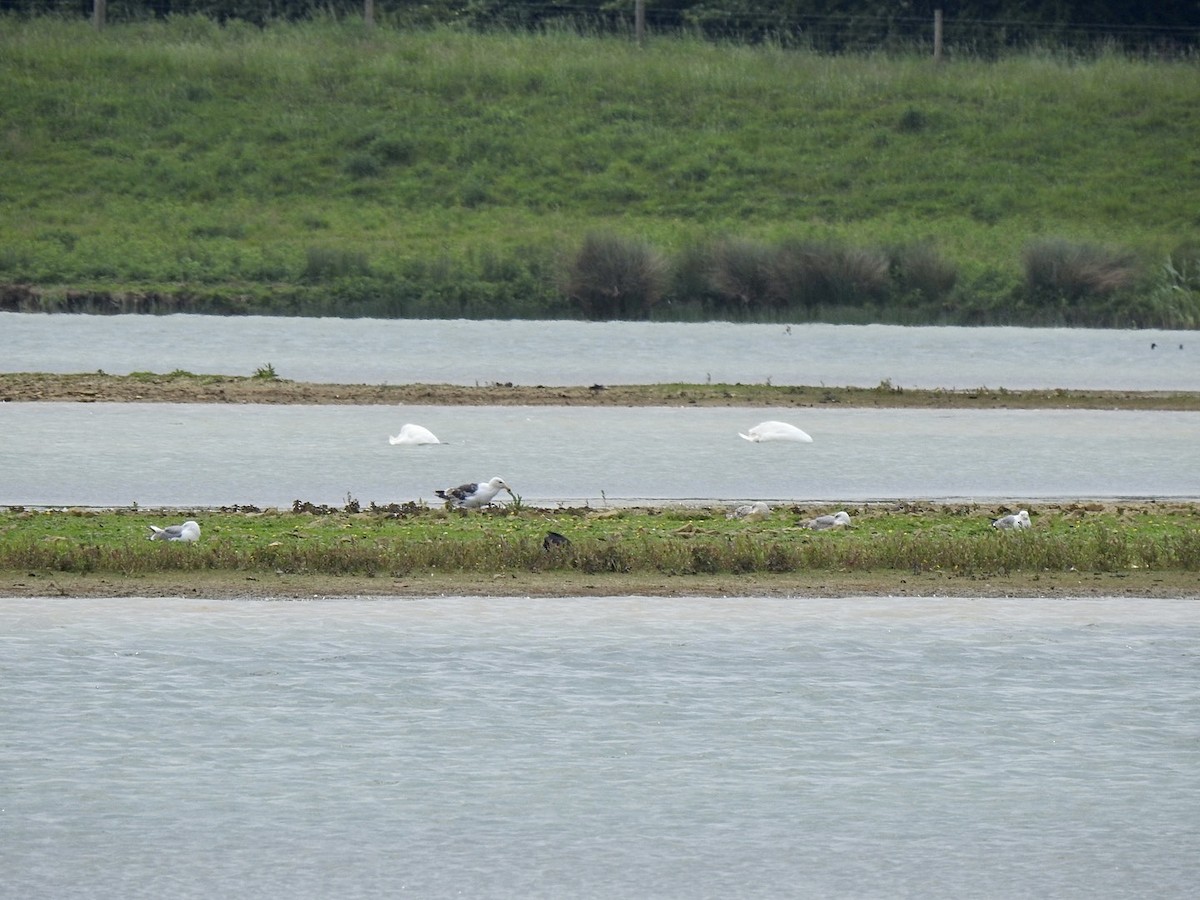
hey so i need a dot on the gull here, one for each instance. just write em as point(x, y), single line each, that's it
point(474, 494)
point(188, 531)
point(1019, 520)
point(776, 431)
point(839, 519)
point(750, 511)
point(414, 434)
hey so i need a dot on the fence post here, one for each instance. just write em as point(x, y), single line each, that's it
point(369, 12)
point(98, 10)
point(639, 21)
point(937, 35)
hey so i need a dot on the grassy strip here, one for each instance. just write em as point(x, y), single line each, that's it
point(414, 544)
point(185, 387)
point(321, 168)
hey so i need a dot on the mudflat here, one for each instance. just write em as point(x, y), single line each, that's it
point(26, 387)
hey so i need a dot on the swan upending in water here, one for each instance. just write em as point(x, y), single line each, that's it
point(189, 531)
point(474, 494)
point(776, 431)
point(414, 434)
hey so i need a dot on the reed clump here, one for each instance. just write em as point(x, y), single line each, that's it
point(398, 541)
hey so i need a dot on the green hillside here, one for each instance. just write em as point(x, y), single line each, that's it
point(329, 169)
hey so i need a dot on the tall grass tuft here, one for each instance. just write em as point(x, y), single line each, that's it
point(1058, 269)
point(614, 277)
point(922, 273)
point(739, 274)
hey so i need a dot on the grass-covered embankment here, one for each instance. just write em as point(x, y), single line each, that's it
point(323, 168)
point(906, 548)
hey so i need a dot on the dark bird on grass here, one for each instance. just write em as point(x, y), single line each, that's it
point(555, 541)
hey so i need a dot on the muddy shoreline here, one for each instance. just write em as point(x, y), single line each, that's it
point(188, 388)
point(245, 586)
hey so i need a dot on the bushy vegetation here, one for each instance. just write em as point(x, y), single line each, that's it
point(399, 540)
point(323, 168)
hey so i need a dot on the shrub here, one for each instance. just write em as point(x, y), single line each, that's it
point(1059, 269)
point(740, 275)
point(809, 274)
point(613, 277)
point(919, 271)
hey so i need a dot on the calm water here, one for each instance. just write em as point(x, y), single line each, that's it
point(618, 747)
point(64, 454)
point(367, 351)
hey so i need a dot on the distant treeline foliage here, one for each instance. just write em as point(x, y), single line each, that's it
point(831, 25)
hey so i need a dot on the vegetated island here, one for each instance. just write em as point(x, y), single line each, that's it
point(184, 387)
point(1073, 549)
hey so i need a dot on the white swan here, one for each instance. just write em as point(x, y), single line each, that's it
point(414, 434)
point(776, 431)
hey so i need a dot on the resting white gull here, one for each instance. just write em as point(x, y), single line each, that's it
point(188, 531)
point(414, 434)
point(1017, 520)
point(776, 431)
point(840, 519)
point(475, 494)
point(750, 511)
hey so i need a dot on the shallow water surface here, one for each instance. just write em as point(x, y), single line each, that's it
point(114, 454)
point(588, 747)
point(404, 351)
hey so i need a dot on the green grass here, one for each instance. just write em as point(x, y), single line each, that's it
point(411, 539)
point(326, 168)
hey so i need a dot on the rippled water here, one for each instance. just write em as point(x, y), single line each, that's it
point(112, 454)
point(571, 353)
point(618, 747)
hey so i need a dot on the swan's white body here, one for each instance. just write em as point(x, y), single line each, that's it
point(414, 434)
point(776, 431)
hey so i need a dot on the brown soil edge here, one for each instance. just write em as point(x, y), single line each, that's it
point(23, 387)
point(258, 586)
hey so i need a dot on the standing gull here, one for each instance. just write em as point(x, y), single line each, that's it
point(414, 434)
point(475, 494)
point(776, 431)
point(189, 531)
point(1019, 520)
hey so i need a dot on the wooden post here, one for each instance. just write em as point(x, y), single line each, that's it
point(639, 21)
point(937, 35)
point(369, 12)
point(98, 10)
